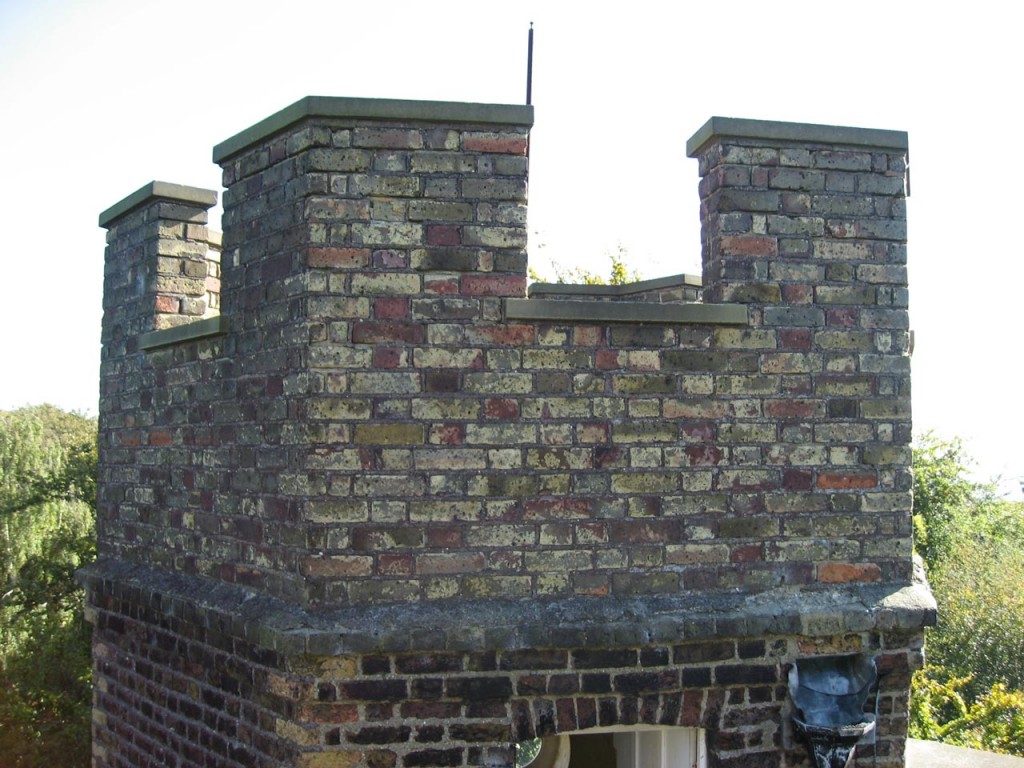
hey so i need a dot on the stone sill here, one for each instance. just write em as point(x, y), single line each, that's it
point(613, 291)
point(482, 624)
point(199, 329)
point(624, 312)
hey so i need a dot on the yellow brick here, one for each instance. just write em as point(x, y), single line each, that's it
point(389, 434)
point(330, 759)
point(306, 737)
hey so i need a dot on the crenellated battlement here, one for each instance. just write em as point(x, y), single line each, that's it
point(381, 429)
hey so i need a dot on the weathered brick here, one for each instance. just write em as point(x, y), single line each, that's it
point(389, 434)
point(370, 435)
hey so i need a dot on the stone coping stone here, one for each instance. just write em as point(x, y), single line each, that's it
point(932, 754)
point(504, 624)
point(802, 133)
point(624, 312)
point(198, 329)
point(158, 190)
point(626, 289)
point(396, 110)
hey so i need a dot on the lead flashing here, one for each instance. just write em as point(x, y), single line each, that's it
point(158, 190)
point(802, 133)
point(374, 109)
point(624, 312)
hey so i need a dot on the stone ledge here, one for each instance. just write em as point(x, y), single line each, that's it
point(501, 624)
point(374, 109)
point(614, 291)
point(158, 190)
point(624, 312)
point(803, 133)
point(198, 329)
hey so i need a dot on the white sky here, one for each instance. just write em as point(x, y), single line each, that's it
point(100, 97)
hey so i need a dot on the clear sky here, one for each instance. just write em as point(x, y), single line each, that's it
point(101, 96)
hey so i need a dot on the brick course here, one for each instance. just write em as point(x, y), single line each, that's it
point(372, 427)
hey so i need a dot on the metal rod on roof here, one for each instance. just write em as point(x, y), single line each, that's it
point(529, 67)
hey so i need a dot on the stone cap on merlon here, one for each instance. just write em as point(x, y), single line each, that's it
point(375, 109)
point(158, 190)
point(798, 133)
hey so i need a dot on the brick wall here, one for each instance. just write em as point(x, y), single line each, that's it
point(643, 507)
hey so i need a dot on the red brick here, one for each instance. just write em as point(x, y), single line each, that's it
point(448, 434)
point(588, 336)
point(750, 553)
point(440, 285)
point(841, 480)
point(607, 359)
point(167, 304)
point(797, 480)
point(644, 531)
point(130, 438)
point(160, 437)
point(566, 709)
point(334, 567)
point(506, 144)
point(449, 563)
point(698, 431)
point(798, 294)
point(391, 308)
point(586, 712)
point(443, 537)
point(395, 565)
point(598, 588)
point(431, 710)
point(390, 357)
point(797, 409)
point(501, 408)
point(443, 234)
point(749, 245)
point(510, 335)
point(387, 259)
point(337, 258)
point(843, 573)
point(554, 509)
point(703, 455)
point(493, 285)
point(505, 561)
point(327, 712)
point(842, 317)
point(388, 331)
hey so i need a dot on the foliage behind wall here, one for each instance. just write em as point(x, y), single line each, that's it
point(47, 519)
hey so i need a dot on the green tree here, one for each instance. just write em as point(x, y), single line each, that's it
point(972, 542)
point(618, 274)
point(47, 523)
point(951, 508)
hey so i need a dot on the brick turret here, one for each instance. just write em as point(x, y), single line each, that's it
point(385, 510)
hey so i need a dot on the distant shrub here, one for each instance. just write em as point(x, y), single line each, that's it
point(981, 615)
point(47, 518)
point(939, 712)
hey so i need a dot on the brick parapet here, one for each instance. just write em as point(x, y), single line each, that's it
point(376, 426)
point(382, 453)
point(162, 264)
point(234, 692)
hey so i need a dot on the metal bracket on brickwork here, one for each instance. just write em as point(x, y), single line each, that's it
point(625, 312)
point(200, 329)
